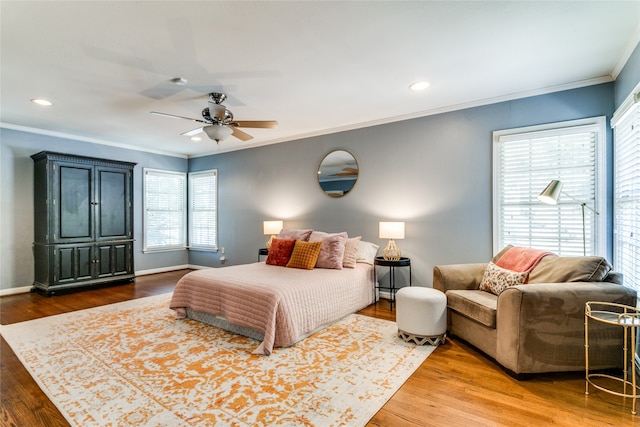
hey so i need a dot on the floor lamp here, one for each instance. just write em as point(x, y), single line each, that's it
point(550, 196)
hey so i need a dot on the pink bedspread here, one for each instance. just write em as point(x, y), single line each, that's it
point(281, 303)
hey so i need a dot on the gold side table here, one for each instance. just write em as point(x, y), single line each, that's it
point(627, 318)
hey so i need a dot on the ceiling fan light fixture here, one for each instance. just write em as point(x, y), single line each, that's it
point(217, 132)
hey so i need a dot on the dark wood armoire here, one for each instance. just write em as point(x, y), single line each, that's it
point(83, 221)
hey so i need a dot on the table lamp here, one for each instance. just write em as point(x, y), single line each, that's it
point(391, 230)
point(272, 228)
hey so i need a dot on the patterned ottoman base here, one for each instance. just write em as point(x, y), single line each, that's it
point(421, 315)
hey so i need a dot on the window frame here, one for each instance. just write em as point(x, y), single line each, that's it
point(190, 211)
point(629, 109)
point(183, 244)
point(596, 124)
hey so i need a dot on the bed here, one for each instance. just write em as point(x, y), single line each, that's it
point(273, 304)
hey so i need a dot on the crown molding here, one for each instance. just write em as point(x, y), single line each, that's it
point(86, 139)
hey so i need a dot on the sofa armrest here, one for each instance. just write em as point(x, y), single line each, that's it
point(540, 326)
point(458, 276)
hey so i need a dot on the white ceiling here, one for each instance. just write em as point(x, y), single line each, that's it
point(316, 67)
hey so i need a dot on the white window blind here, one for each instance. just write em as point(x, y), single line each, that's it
point(203, 220)
point(525, 161)
point(626, 223)
point(164, 210)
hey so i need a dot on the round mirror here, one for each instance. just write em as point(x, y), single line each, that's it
point(338, 173)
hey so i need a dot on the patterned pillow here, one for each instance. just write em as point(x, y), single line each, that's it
point(350, 252)
point(332, 251)
point(280, 252)
point(304, 255)
point(496, 279)
point(295, 234)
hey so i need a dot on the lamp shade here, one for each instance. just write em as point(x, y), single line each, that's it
point(217, 132)
point(551, 193)
point(391, 230)
point(272, 227)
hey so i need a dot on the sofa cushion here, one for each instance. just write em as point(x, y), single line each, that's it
point(555, 269)
point(475, 304)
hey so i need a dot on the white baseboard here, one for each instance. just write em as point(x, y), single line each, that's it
point(198, 267)
point(26, 289)
point(162, 270)
point(14, 291)
point(384, 294)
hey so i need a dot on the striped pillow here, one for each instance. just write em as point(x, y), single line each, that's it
point(304, 255)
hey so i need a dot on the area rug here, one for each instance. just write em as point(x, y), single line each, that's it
point(133, 364)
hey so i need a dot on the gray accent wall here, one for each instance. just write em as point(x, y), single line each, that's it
point(628, 78)
point(434, 173)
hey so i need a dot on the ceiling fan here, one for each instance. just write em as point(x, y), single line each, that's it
point(219, 123)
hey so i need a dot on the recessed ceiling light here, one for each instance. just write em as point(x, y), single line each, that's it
point(43, 102)
point(419, 86)
point(195, 138)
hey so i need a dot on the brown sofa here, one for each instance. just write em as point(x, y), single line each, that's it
point(537, 327)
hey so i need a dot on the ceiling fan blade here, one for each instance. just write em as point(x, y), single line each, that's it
point(192, 132)
point(240, 135)
point(173, 116)
point(270, 124)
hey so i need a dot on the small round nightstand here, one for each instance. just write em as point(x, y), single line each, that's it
point(262, 252)
point(392, 288)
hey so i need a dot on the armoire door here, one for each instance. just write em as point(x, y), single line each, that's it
point(113, 204)
point(73, 263)
point(72, 201)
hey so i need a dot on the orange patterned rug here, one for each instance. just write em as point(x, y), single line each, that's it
point(132, 363)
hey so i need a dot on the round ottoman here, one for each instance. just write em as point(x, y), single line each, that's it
point(421, 315)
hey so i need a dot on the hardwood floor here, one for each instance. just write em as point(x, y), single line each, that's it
point(456, 385)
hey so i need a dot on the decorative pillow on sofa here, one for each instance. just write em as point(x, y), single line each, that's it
point(332, 251)
point(304, 255)
point(496, 279)
point(558, 269)
point(366, 252)
point(351, 252)
point(295, 234)
point(280, 252)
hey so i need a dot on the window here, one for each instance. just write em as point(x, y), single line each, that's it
point(165, 210)
point(203, 219)
point(525, 161)
point(626, 191)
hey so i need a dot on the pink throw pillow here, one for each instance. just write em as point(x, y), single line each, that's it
point(332, 250)
point(295, 234)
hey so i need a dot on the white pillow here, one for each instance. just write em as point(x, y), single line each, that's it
point(366, 252)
